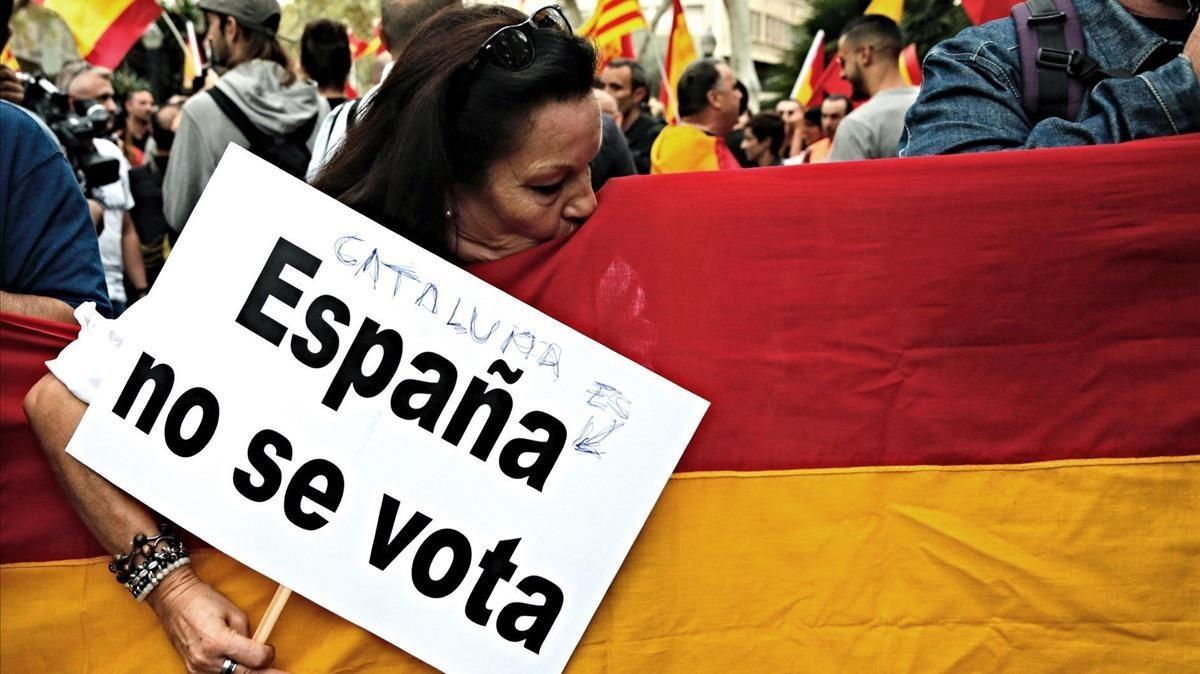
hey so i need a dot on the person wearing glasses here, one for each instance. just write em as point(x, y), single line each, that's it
point(869, 51)
point(476, 147)
point(476, 152)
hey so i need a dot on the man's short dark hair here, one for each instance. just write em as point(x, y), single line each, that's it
point(325, 53)
point(399, 18)
point(768, 126)
point(836, 98)
point(637, 74)
point(877, 30)
point(697, 80)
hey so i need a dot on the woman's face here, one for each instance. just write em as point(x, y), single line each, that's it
point(539, 192)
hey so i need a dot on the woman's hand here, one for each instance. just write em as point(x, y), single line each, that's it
point(205, 627)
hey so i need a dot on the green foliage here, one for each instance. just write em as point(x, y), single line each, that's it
point(125, 81)
point(925, 23)
point(358, 15)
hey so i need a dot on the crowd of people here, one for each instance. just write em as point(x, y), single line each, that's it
point(488, 133)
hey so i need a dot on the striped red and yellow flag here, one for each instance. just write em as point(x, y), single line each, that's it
point(104, 30)
point(947, 434)
point(612, 20)
point(681, 51)
point(611, 27)
point(805, 89)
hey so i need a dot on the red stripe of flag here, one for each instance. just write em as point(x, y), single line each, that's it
point(628, 16)
point(115, 41)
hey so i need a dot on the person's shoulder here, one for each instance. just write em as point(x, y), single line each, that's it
point(994, 41)
point(22, 136)
point(199, 105)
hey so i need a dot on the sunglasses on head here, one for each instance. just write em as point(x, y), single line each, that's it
point(512, 46)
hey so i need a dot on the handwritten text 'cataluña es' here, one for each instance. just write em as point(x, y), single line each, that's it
point(350, 250)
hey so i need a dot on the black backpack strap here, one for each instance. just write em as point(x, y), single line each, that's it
point(1056, 71)
point(253, 134)
point(301, 134)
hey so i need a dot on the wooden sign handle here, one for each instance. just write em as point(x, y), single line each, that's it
point(263, 632)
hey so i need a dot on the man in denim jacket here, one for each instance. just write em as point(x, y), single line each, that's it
point(971, 99)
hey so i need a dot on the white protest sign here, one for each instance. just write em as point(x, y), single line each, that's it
point(379, 430)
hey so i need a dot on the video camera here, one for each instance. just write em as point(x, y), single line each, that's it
point(75, 127)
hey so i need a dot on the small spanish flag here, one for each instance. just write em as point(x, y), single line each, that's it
point(805, 90)
point(681, 51)
point(104, 30)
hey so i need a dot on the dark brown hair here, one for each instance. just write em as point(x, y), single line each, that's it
point(433, 124)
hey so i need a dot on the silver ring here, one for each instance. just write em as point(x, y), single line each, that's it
point(229, 666)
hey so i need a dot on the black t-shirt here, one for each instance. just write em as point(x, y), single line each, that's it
point(640, 137)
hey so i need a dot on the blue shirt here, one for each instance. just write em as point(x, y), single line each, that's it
point(47, 241)
point(971, 98)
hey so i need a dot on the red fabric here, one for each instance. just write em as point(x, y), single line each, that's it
point(115, 42)
point(831, 82)
point(1003, 307)
point(36, 522)
point(725, 159)
point(982, 11)
point(911, 64)
point(992, 308)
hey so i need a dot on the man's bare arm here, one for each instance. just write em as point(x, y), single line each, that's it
point(37, 306)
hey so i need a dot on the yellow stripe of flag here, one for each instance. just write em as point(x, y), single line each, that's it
point(1069, 566)
point(88, 20)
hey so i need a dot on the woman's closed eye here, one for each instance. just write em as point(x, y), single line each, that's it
point(551, 188)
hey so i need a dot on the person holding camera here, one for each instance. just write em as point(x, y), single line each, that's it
point(120, 249)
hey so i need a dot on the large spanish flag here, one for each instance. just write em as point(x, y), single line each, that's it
point(104, 30)
point(954, 428)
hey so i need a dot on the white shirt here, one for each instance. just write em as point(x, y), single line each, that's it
point(333, 128)
point(116, 198)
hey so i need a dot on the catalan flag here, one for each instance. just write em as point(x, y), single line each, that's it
point(104, 30)
point(951, 434)
point(611, 27)
point(681, 51)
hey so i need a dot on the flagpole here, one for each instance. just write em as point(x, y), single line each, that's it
point(175, 32)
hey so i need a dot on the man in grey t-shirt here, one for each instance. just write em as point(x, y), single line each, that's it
point(869, 50)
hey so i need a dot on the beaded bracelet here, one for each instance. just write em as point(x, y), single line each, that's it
point(149, 561)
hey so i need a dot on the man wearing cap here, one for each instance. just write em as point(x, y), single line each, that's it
point(257, 79)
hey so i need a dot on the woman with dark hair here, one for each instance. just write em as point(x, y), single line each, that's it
point(476, 147)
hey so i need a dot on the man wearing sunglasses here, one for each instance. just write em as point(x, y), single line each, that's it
point(869, 51)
